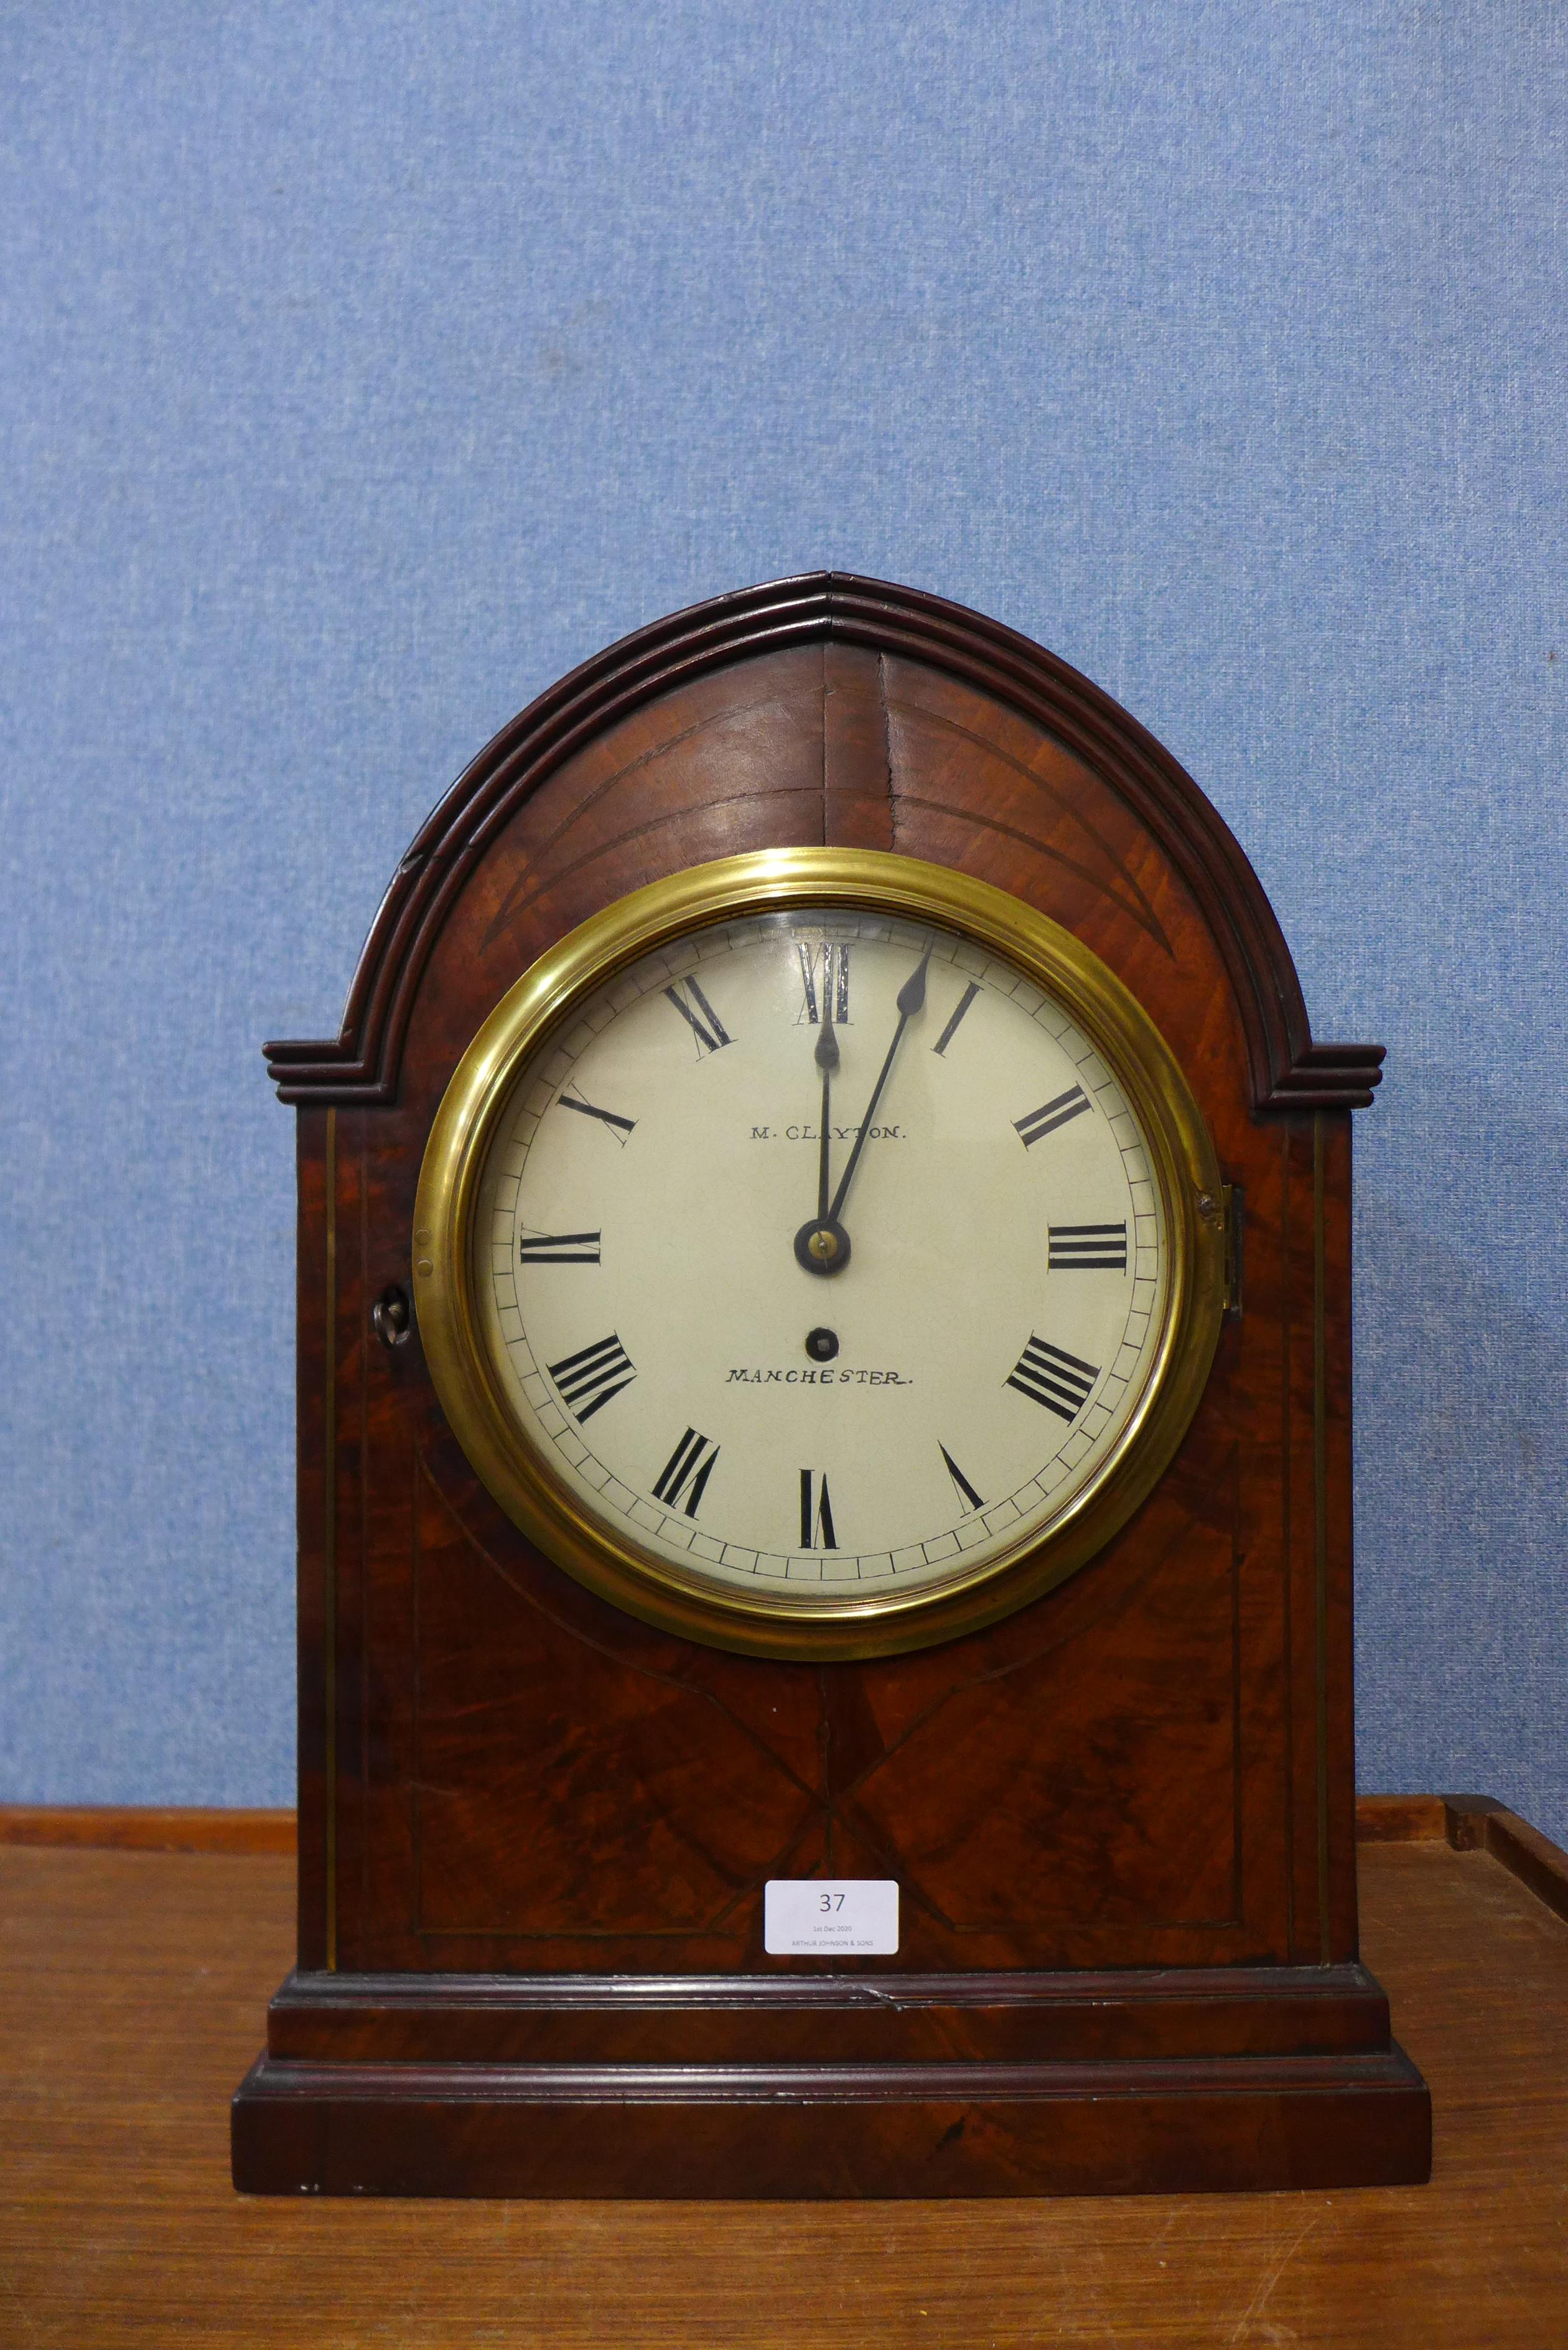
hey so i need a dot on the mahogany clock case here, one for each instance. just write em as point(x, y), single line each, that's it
point(535, 1831)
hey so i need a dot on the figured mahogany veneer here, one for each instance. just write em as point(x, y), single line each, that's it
point(534, 1833)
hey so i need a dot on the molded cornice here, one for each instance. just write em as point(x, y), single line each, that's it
point(1289, 1071)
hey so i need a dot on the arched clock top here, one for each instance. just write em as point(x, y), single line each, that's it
point(1287, 1071)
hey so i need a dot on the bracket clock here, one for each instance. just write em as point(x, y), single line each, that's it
point(824, 1538)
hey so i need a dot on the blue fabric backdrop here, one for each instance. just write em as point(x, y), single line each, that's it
point(366, 366)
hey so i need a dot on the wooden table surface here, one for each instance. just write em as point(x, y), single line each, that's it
point(132, 1986)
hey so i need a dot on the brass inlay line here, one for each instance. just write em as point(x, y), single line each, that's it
point(1287, 1556)
point(1320, 1519)
point(329, 1543)
point(1233, 1207)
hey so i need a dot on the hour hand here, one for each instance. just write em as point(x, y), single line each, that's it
point(828, 1062)
point(823, 1245)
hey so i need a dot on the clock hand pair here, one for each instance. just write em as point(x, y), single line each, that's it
point(823, 1246)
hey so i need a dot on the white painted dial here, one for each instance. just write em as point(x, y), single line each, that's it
point(949, 1386)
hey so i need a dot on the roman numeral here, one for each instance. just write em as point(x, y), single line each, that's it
point(961, 1485)
point(620, 1126)
point(558, 1248)
point(592, 1377)
point(950, 1031)
point(816, 1514)
point(1051, 1115)
point(1048, 1375)
point(687, 1472)
point(1087, 1248)
point(835, 998)
point(704, 1022)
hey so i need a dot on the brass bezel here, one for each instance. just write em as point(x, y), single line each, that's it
point(803, 1626)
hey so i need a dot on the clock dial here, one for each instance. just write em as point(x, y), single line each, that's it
point(821, 1256)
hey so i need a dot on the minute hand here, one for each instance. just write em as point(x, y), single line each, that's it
point(911, 998)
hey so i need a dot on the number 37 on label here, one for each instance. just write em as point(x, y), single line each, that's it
point(818, 1916)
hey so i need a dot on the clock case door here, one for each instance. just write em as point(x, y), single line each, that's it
point(533, 1832)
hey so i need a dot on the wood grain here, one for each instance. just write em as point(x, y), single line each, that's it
point(1399, 1819)
point(824, 616)
point(148, 1827)
point(129, 1986)
point(1476, 1822)
point(1150, 1768)
point(165, 1827)
point(465, 1664)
